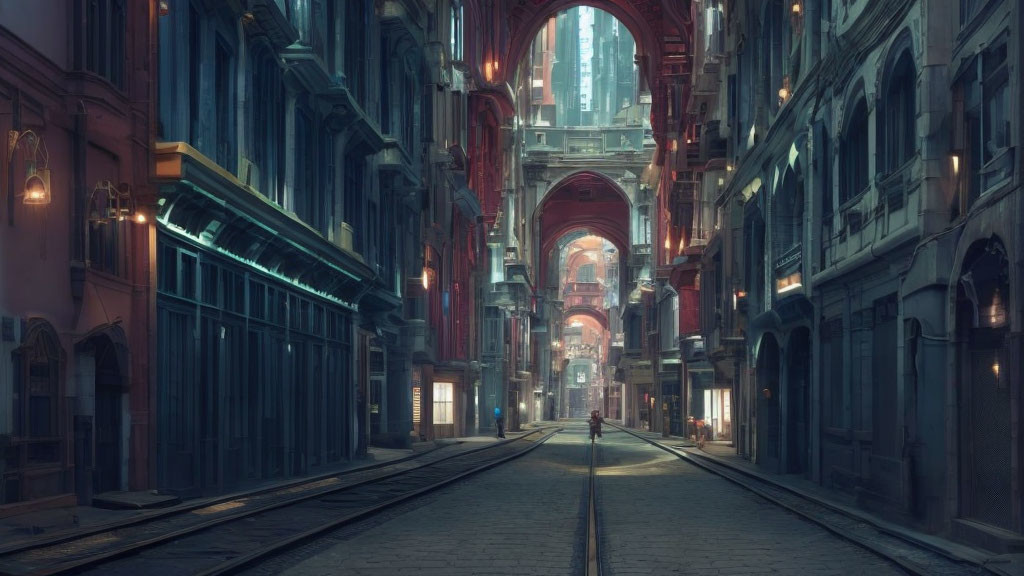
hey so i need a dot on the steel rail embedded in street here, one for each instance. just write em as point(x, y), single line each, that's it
point(52, 559)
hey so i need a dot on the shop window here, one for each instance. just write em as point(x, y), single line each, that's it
point(105, 34)
point(853, 154)
point(898, 119)
point(443, 413)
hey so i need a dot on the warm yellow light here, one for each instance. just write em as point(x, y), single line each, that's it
point(426, 279)
point(995, 369)
point(495, 65)
point(36, 189)
point(140, 218)
point(783, 93)
point(165, 9)
point(488, 71)
point(682, 243)
point(689, 140)
point(668, 241)
point(721, 181)
point(796, 8)
point(956, 165)
point(728, 167)
point(675, 145)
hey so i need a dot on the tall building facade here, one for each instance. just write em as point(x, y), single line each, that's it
point(857, 289)
point(76, 302)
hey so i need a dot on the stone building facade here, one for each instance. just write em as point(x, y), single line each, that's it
point(863, 251)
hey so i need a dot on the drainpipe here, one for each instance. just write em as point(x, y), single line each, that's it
point(78, 149)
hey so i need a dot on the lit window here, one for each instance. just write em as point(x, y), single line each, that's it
point(443, 413)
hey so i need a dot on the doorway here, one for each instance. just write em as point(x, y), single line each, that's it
point(768, 404)
point(107, 476)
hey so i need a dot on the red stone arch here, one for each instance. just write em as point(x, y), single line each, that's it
point(588, 311)
point(584, 200)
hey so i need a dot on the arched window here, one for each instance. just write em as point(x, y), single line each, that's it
point(37, 397)
point(788, 213)
point(853, 153)
point(897, 120)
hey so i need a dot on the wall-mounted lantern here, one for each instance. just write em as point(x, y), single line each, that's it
point(36, 189)
point(109, 203)
point(796, 15)
point(165, 7)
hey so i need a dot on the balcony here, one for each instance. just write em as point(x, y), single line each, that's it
point(578, 141)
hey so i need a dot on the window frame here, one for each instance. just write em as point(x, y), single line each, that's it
point(105, 36)
point(854, 169)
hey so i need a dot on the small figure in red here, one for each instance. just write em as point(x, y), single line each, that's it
point(595, 424)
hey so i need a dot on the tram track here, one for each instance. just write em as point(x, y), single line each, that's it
point(911, 556)
point(593, 549)
point(185, 543)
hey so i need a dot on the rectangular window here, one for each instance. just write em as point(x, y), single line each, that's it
point(355, 168)
point(443, 413)
point(355, 48)
point(225, 110)
point(194, 66)
point(105, 34)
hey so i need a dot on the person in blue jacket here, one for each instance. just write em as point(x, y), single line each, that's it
point(499, 421)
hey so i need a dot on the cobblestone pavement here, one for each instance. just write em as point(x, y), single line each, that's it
point(523, 517)
point(660, 515)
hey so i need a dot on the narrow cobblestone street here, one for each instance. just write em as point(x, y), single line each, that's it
point(658, 515)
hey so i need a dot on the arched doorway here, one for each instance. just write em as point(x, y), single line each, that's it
point(798, 401)
point(768, 429)
point(984, 393)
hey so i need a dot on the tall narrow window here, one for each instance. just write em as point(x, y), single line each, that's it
point(266, 119)
point(456, 25)
point(224, 109)
point(105, 34)
point(355, 167)
point(37, 397)
point(854, 154)
point(325, 182)
point(385, 85)
point(899, 115)
point(355, 48)
point(305, 193)
point(195, 59)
